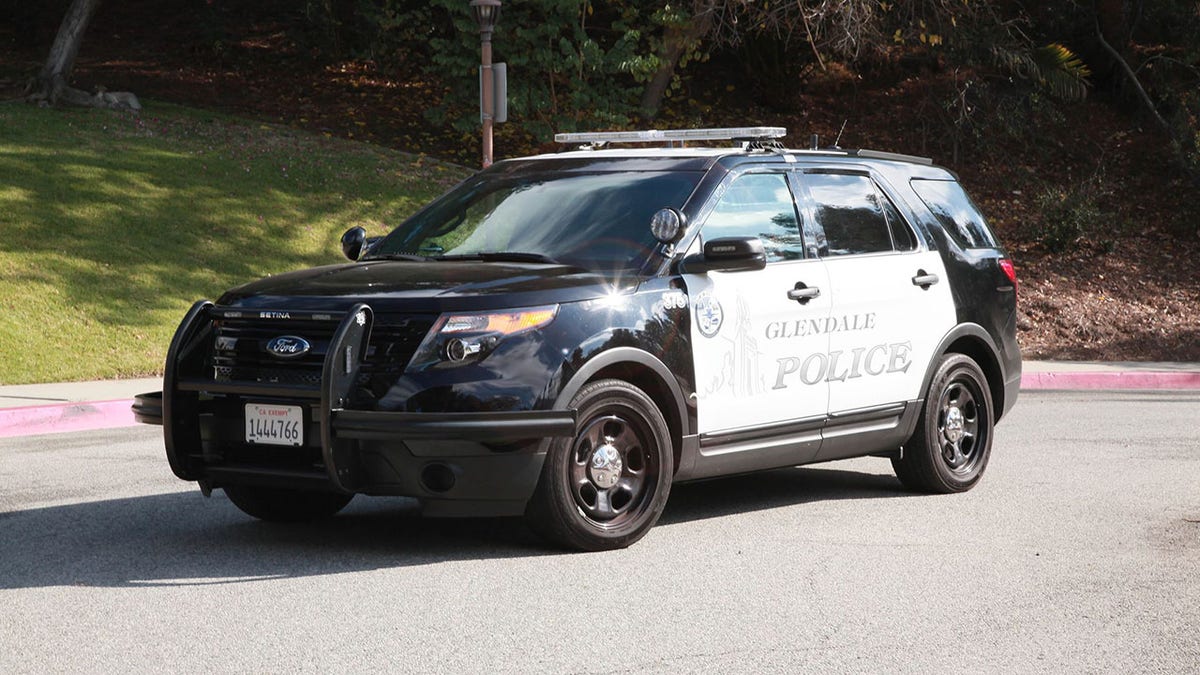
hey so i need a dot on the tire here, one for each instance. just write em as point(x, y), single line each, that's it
point(606, 487)
point(278, 505)
point(950, 448)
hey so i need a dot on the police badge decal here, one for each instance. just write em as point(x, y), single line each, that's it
point(709, 315)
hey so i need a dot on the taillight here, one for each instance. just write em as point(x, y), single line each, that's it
point(1009, 270)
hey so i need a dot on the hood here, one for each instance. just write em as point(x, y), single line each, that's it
point(436, 286)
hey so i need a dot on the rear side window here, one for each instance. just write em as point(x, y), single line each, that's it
point(848, 210)
point(957, 213)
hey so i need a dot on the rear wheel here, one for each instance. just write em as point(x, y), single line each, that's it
point(281, 505)
point(606, 487)
point(951, 446)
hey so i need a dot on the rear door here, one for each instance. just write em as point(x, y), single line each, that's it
point(891, 300)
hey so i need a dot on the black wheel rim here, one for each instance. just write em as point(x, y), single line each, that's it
point(961, 426)
point(614, 469)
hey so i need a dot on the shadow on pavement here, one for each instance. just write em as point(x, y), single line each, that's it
point(183, 539)
point(775, 489)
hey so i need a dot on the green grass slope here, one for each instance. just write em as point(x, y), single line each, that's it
point(112, 225)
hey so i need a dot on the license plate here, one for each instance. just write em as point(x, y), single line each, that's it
point(274, 424)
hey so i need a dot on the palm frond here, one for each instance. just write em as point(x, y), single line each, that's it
point(1053, 68)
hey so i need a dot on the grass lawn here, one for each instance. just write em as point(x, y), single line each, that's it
point(112, 225)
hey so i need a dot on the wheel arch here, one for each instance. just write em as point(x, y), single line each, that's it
point(973, 341)
point(646, 372)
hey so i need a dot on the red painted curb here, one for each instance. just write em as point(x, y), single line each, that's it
point(1111, 380)
point(61, 417)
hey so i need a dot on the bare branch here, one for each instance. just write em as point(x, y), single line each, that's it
point(1133, 79)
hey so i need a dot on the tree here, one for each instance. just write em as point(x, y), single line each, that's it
point(683, 33)
point(52, 84)
point(572, 64)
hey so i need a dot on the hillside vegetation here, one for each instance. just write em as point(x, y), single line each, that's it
point(113, 225)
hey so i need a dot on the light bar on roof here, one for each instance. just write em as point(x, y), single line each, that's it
point(666, 135)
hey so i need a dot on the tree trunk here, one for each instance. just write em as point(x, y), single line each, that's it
point(52, 85)
point(676, 42)
point(1110, 14)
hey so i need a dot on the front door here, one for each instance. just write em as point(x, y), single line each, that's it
point(752, 333)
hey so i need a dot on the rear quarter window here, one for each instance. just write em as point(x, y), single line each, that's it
point(959, 216)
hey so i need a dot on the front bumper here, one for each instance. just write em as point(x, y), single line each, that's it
point(455, 463)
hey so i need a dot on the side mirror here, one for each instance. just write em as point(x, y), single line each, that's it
point(727, 254)
point(667, 225)
point(353, 242)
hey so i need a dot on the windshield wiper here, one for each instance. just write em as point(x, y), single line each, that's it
point(505, 256)
point(402, 256)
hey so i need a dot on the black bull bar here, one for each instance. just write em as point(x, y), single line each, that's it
point(178, 406)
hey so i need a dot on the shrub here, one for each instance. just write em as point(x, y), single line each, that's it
point(1074, 214)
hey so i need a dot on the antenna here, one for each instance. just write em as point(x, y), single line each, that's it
point(838, 140)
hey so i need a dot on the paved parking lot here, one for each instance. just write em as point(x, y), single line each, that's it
point(1080, 551)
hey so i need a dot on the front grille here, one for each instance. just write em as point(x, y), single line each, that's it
point(239, 350)
point(393, 342)
point(302, 377)
point(391, 347)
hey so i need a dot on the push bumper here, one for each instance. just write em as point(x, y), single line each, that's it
point(456, 463)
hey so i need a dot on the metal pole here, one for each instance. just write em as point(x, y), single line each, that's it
point(485, 71)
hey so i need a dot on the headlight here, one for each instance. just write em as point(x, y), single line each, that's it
point(498, 323)
point(457, 338)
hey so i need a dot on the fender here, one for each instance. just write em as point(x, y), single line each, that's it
point(621, 355)
point(976, 332)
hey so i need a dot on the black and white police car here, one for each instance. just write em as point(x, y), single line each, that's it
point(565, 336)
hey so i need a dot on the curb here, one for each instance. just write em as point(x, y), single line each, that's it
point(62, 417)
point(1110, 380)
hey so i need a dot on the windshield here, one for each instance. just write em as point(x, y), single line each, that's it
point(595, 220)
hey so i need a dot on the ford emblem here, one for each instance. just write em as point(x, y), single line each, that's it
point(288, 346)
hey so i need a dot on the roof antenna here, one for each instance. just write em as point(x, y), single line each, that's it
point(816, 142)
point(838, 140)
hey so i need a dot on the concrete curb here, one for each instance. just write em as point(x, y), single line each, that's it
point(1110, 380)
point(63, 417)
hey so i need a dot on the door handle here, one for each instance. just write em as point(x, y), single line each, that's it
point(924, 279)
point(802, 294)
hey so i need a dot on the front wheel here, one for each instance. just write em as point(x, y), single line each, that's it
point(281, 505)
point(607, 486)
point(950, 448)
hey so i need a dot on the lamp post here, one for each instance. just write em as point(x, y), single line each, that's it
point(486, 13)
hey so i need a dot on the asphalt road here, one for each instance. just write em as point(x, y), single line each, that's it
point(1080, 551)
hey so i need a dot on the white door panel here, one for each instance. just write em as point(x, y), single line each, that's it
point(752, 343)
point(888, 327)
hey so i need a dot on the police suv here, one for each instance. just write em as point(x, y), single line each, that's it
point(567, 335)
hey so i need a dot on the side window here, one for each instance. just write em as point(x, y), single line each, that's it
point(956, 212)
point(902, 235)
point(759, 205)
point(847, 208)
